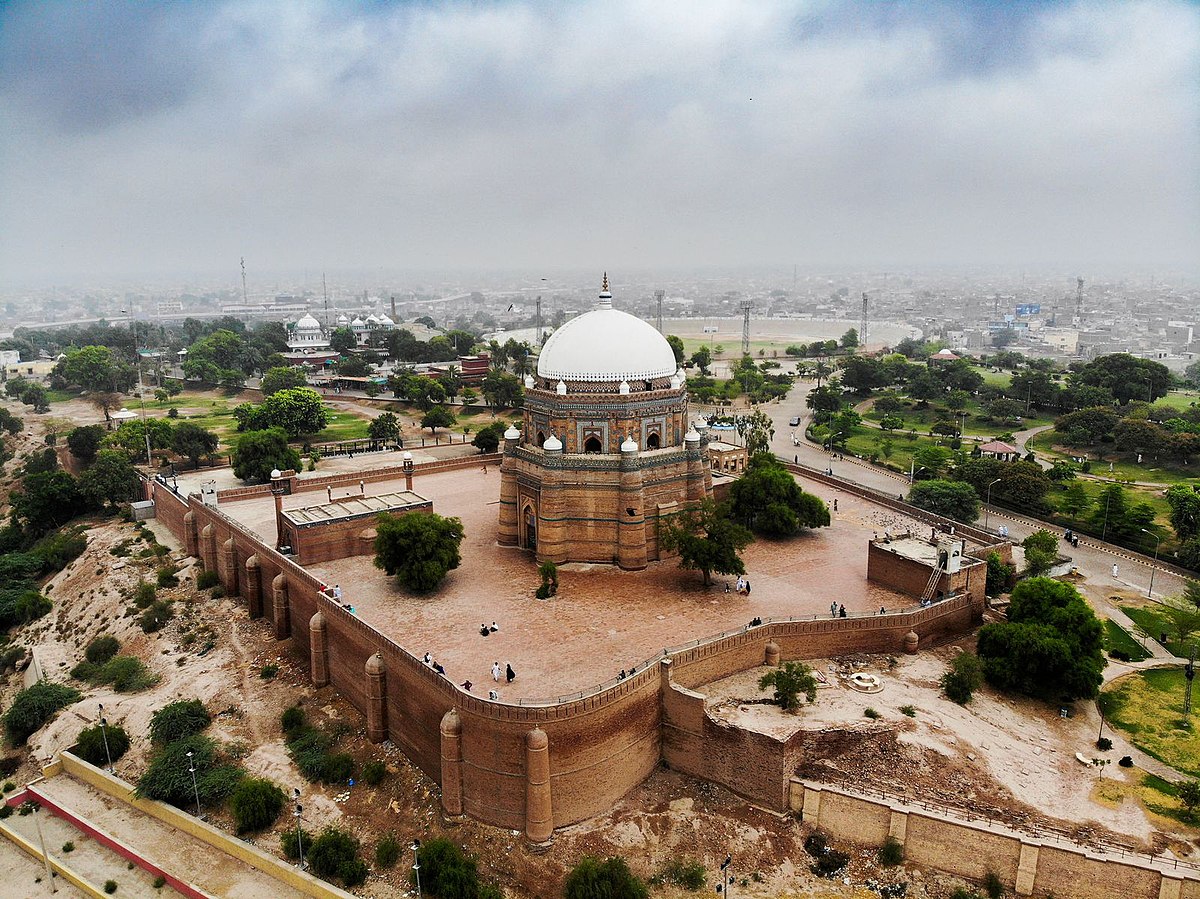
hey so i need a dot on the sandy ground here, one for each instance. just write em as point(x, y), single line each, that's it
point(603, 619)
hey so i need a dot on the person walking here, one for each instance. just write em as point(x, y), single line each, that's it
point(841, 611)
point(509, 674)
point(496, 672)
point(1116, 569)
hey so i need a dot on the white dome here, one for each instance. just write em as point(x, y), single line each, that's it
point(512, 433)
point(358, 323)
point(606, 344)
point(629, 445)
point(307, 322)
point(552, 444)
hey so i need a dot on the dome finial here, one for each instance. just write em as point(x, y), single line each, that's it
point(605, 296)
point(604, 285)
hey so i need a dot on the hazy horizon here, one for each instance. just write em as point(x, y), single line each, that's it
point(147, 142)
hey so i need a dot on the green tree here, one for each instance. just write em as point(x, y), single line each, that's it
point(608, 879)
point(384, 427)
point(676, 348)
point(210, 357)
point(418, 548)
point(257, 453)
point(438, 417)
point(850, 339)
point(501, 390)
point(84, 442)
point(1189, 796)
point(789, 681)
point(47, 500)
point(297, 410)
point(1183, 616)
point(707, 540)
point(702, 359)
point(1050, 646)
point(111, 479)
point(192, 442)
point(177, 720)
point(1184, 501)
point(962, 678)
point(97, 745)
point(96, 368)
point(354, 367)
point(1041, 550)
point(342, 340)
point(952, 499)
point(998, 574)
point(1128, 377)
point(767, 499)
point(282, 377)
point(488, 437)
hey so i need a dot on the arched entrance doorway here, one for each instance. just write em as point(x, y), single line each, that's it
point(529, 529)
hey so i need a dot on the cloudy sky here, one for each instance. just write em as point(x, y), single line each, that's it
point(159, 138)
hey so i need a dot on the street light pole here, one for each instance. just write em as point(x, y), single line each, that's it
point(195, 787)
point(987, 506)
point(1157, 541)
point(416, 848)
point(299, 831)
point(45, 855)
point(104, 734)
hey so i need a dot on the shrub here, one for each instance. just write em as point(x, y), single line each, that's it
point(5, 811)
point(9, 786)
point(160, 882)
point(167, 777)
point(338, 768)
point(218, 592)
point(964, 677)
point(330, 851)
point(1126, 761)
point(611, 877)
point(144, 594)
point(256, 803)
point(290, 845)
point(387, 852)
point(33, 707)
point(872, 713)
point(687, 873)
point(207, 579)
point(891, 853)
point(374, 772)
point(127, 674)
point(102, 649)
point(1104, 744)
point(353, 872)
point(166, 576)
point(155, 618)
point(110, 886)
point(60, 548)
point(992, 885)
point(268, 671)
point(292, 719)
point(89, 745)
point(908, 711)
point(68, 846)
point(178, 720)
point(830, 862)
point(964, 893)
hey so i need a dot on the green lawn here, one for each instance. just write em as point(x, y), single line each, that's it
point(995, 378)
point(1116, 637)
point(1148, 706)
point(732, 342)
point(1123, 469)
point(1155, 624)
point(1180, 399)
point(975, 426)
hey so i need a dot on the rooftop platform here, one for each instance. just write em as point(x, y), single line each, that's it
point(352, 507)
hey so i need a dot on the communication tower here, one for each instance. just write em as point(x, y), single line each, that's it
point(1079, 297)
point(746, 307)
point(658, 298)
point(862, 327)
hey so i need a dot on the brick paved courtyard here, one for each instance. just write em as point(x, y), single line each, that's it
point(603, 619)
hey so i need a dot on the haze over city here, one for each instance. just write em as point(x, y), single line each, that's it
point(147, 141)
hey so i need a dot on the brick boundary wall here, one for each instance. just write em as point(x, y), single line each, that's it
point(599, 743)
point(345, 478)
point(1026, 863)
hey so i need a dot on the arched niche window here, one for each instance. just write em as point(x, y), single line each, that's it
point(653, 441)
point(541, 439)
point(592, 445)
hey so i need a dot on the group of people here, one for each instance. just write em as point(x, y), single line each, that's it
point(742, 586)
point(836, 611)
point(485, 630)
point(428, 660)
point(507, 672)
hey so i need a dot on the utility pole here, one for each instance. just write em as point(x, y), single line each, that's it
point(862, 328)
point(1189, 672)
point(538, 341)
point(658, 298)
point(1079, 297)
point(746, 307)
point(141, 388)
point(245, 296)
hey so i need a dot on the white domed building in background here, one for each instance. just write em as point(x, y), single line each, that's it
point(606, 450)
point(307, 334)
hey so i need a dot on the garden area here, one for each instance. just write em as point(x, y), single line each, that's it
point(1148, 707)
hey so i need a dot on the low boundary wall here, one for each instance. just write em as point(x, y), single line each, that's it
point(194, 827)
point(1027, 864)
point(535, 764)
